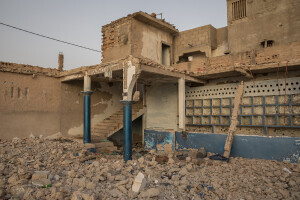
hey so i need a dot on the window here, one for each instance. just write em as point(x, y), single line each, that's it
point(239, 9)
point(165, 57)
point(267, 43)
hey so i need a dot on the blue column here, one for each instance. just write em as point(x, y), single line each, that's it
point(127, 129)
point(87, 117)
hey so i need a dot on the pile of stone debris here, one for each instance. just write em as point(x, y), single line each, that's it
point(38, 168)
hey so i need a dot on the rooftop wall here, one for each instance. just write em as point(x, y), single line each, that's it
point(116, 39)
point(276, 20)
point(147, 41)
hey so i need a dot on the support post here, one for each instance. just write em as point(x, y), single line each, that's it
point(87, 110)
point(127, 129)
point(181, 103)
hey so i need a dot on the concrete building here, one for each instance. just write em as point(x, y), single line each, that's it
point(187, 82)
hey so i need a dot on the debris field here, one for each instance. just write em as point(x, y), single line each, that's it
point(37, 168)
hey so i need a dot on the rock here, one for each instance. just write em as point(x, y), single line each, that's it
point(287, 170)
point(141, 160)
point(41, 182)
point(82, 182)
point(13, 179)
point(183, 172)
point(161, 159)
point(40, 175)
point(91, 186)
point(76, 196)
point(59, 195)
point(188, 159)
point(18, 190)
point(86, 196)
point(122, 189)
point(39, 194)
point(152, 151)
point(284, 193)
point(201, 153)
point(115, 193)
point(171, 161)
point(57, 177)
point(71, 173)
point(120, 178)
point(132, 194)
point(139, 183)
point(152, 192)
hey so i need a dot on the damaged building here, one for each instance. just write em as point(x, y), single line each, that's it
point(177, 88)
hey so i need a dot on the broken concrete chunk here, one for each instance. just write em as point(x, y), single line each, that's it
point(152, 192)
point(115, 193)
point(139, 183)
point(161, 159)
point(141, 160)
point(40, 175)
point(41, 182)
point(201, 153)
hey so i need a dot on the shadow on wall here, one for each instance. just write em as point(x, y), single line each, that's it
point(137, 133)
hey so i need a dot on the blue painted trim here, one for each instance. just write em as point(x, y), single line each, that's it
point(258, 147)
point(158, 140)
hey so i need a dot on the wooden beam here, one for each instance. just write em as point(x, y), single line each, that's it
point(165, 72)
point(234, 119)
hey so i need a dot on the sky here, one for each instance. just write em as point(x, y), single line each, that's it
point(80, 22)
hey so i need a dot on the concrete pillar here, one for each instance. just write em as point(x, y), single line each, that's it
point(127, 130)
point(87, 109)
point(181, 103)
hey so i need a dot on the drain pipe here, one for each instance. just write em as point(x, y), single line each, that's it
point(87, 109)
point(127, 129)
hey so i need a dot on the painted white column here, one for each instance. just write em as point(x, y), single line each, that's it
point(87, 83)
point(181, 103)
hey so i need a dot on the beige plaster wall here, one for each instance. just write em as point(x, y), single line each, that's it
point(162, 106)
point(277, 20)
point(147, 41)
point(104, 102)
point(28, 105)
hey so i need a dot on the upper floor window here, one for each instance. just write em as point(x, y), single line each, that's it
point(239, 9)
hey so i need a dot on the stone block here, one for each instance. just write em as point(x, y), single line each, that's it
point(139, 183)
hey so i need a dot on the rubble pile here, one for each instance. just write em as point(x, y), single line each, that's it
point(37, 168)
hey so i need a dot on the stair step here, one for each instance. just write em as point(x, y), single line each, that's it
point(108, 123)
point(101, 133)
point(96, 139)
point(104, 127)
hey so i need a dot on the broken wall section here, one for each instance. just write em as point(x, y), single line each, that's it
point(116, 40)
point(201, 42)
point(254, 59)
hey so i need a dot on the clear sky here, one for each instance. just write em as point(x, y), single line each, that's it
point(80, 21)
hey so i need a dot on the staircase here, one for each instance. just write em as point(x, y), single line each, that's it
point(102, 130)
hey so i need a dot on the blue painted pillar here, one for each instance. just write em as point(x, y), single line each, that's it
point(127, 129)
point(87, 116)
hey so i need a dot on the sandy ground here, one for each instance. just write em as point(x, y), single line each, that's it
point(62, 169)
